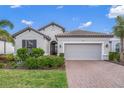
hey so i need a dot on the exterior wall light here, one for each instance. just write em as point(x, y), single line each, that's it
point(60, 46)
point(106, 45)
point(110, 42)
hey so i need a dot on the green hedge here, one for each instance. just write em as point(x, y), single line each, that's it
point(9, 65)
point(114, 56)
point(1, 65)
point(44, 62)
point(31, 63)
point(22, 53)
point(12, 65)
point(37, 52)
point(61, 54)
point(50, 61)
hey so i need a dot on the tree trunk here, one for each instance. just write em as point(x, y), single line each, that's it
point(122, 51)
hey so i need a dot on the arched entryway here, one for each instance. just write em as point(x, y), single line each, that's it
point(53, 48)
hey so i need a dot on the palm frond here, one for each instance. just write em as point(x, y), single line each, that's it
point(4, 35)
point(118, 29)
point(6, 23)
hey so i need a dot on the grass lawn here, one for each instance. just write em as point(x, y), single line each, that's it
point(32, 79)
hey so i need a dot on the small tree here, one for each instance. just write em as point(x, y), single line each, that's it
point(118, 30)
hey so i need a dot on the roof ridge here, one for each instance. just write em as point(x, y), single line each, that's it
point(86, 31)
point(52, 23)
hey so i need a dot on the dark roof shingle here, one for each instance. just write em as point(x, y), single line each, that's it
point(83, 33)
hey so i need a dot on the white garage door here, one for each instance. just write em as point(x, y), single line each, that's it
point(82, 51)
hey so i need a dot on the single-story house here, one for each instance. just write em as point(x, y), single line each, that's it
point(76, 45)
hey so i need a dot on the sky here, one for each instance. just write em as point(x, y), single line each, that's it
point(97, 18)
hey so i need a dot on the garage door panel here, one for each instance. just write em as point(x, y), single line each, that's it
point(83, 51)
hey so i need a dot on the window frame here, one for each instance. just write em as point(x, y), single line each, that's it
point(26, 43)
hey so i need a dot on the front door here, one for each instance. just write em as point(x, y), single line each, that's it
point(53, 48)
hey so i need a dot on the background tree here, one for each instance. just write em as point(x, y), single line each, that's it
point(119, 32)
point(4, 35)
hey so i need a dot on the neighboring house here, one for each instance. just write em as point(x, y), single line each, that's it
point(76, 45)
point(6, 47)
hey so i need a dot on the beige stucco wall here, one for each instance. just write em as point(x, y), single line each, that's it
point(105, 41)
point(51, 31)
point(30, 35)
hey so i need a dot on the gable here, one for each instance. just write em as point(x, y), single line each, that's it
point(52, 24)
point(51, 30)
point(30, 32)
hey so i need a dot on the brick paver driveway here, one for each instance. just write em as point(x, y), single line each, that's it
point(94, 74)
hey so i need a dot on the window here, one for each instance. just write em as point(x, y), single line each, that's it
point(29, 43)
point(117, 47)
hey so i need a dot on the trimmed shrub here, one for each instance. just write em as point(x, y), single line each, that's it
point(61, 54)
point(2, 57)
point(50, 61)
point(31, 63)
point(1, 65)
point(7, 57)
point(117, 56)
point(114, 56)
point(22, 53)
point(12, 65)
point(111, 56)
point(37, 52)
point(45, 62)
point(17, 59)
point(10, 57)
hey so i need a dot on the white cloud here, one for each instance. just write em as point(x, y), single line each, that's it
point(59, 7)
point(27, 22)
point(15, 6)
point(86, 24)
point(116, 11)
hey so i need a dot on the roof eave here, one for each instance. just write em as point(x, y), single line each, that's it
point(100, 36)
point(29, 28)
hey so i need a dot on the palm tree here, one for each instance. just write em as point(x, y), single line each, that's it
point(118, 30)
point(4, 35)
